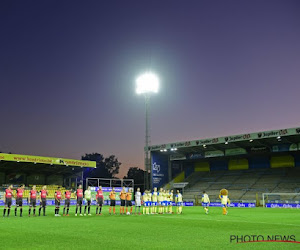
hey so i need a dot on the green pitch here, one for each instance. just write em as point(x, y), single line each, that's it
point(191, 230)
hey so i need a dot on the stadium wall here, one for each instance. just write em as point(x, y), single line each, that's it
point(202, 167)
point(259, 162)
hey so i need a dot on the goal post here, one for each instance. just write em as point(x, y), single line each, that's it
point(106, 182)
point(281, 200)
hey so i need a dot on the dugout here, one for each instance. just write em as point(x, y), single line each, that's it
point(175, 162)
point(38, 170)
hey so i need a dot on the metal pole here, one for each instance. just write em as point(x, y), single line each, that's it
point(147, 141)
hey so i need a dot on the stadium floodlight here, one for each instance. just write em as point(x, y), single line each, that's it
point(147, 83)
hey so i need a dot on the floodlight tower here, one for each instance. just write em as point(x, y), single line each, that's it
point(147, 84)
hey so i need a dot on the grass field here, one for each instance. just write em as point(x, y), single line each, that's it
point(191, 230)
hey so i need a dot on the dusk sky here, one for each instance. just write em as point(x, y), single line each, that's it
point(68, 69)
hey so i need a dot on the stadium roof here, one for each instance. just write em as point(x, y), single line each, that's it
point(258, 140)
point(29, 163)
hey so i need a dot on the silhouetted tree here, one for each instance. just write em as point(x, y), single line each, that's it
point(138, 175)
point(105, 167)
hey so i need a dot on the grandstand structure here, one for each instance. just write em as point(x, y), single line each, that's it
point(248, 165)
point(37, 170)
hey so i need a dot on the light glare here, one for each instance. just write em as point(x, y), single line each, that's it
point(147, 83)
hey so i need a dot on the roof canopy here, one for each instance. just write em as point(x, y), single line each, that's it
point(254, 140)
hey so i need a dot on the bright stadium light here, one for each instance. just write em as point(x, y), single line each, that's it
point(147, 83)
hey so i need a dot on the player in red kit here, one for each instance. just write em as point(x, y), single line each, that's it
point(79, 195)
point(57, 197)
point(43, 200)
point(19, 199)
point(67, 202)
point(100, 199)
point(32, 200)
point(8, 199)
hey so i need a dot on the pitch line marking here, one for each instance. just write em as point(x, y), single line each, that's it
point(261, 222)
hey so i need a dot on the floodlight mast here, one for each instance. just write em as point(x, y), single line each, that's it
point(146, 84)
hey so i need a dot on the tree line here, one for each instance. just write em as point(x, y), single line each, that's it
point(109, 167)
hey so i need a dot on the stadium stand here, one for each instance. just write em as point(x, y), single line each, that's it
point(248, 165)
point(243, 185)
point(38, 170)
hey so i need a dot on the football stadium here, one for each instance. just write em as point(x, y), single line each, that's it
point(260, 173)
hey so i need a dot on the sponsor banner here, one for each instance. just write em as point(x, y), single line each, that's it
point(237, 138)
point(177, 157)
point(275, 133)
point(280, 148)
point(46, 160)
point(50, 202)
point(284, 147)
point(233, 138)
point(282, 205)
point(159, 173)
point(235, 151)
point(188, 204)
point(194, 156)
point(261, 149)
point(233, 204)
point(185, 203)
point(73, 202)
point(215, 153)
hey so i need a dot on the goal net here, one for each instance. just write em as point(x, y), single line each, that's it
point(287, 200)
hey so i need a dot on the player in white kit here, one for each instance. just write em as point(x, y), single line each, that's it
point(138, 200)
point(205, 201)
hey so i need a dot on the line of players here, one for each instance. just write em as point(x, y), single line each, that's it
point(159, 202)
point(150, 201)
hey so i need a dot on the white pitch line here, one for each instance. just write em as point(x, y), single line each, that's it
point(238, 221)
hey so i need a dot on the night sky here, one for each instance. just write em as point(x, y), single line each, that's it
point(68, 69)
